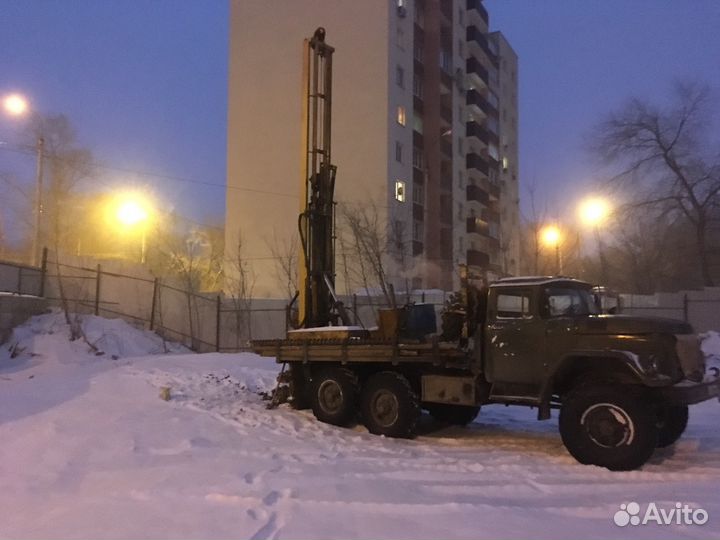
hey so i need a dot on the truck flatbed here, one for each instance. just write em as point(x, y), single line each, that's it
point(353, 350)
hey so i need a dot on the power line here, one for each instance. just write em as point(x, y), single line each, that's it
point(24, 151)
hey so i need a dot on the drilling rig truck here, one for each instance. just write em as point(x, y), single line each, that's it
point(622, 384)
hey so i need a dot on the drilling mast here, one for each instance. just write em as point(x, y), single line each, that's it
point(318, 305)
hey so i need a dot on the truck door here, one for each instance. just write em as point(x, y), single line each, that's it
point(514, 342)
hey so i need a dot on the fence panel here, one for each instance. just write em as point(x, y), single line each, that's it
point(20, 279)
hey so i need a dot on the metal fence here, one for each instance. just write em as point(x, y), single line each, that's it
point(203, 322)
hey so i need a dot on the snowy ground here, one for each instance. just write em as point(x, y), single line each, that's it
point(89, 450)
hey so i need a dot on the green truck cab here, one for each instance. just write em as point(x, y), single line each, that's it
point(622, 384)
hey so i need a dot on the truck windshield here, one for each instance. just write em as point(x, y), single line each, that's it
point(566, 301)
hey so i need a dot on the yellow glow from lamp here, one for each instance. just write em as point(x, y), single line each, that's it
point(131, 212)
point(550, 236)
point(594, 211)
point(15, 105)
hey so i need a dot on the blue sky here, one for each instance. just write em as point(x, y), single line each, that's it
point(145, 82)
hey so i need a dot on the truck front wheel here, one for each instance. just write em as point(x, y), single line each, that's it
point(671, 422)
point(609, 426)
point(389, 405)
point(334, 396)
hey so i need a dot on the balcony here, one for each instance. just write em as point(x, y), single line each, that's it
point(446, 147)
point(475, 161)
point(476, 193)
point(446, 114)
point(475, 225)
point(477, 258)
point(478, 43)
point(476, 6)
point(476, 104)
point(477, 75)
point(475, 131)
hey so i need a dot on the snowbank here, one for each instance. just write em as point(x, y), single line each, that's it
point(89, 450)
point(112, 337)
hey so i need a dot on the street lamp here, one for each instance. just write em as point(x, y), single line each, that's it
point(133, 211)
point(15, 104)
point(551, 237)
point(593, 212)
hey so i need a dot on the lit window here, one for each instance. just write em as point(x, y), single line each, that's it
point(505, 163)
point(401, 115)
point(400, 191)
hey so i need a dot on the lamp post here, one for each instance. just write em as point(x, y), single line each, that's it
point(133, 211)
point(594, 211)
point(17, 105)
point(551, 237)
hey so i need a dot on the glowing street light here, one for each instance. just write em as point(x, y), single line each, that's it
point(130, 213)
point(133, 211)
point(551, 237)
point(15, 105)
point(594, 211)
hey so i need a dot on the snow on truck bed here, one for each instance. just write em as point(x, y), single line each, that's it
point(89, 450)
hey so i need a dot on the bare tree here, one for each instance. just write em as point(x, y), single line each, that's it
point(67, 166)
point(665, 162)
point(285, 258)
point(368, 240)
point(239, 285)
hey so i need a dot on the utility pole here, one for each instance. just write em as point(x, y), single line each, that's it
point(37, 239)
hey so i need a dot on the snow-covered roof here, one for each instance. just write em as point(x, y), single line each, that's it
point(536, 280)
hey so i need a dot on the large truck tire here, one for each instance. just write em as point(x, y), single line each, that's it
point(671, 423)
point(456, 415)
point(390, 406)
point(609, 426)
point(334, 396)
point(299, 388)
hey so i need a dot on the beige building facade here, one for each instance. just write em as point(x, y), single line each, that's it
point(411, 101)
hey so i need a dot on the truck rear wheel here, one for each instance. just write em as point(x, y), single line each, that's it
point(390, 406)
point(609, 426)
point(457, 415)
point(334, 396)
point(671, 423)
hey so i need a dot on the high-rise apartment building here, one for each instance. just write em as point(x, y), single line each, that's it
point(424, 130)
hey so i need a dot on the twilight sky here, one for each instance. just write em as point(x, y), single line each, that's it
point(144, 82)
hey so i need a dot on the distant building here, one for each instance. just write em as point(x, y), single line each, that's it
point(424, 128)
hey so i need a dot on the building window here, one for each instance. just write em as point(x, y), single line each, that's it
point(460, 211)
point(417, 123)
point(417, 230)
point(418, 53)
point(446, 61)
point(460, 113)
point(418, 159)
point(460, 148)
point(417, 86)
point(400, 76)
point(399, 191)
point(493, 152)
point(461, 181)
point(398, 151)
point(418, 194)
point(401, 115)
point(400, 36)
point(505, 163)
